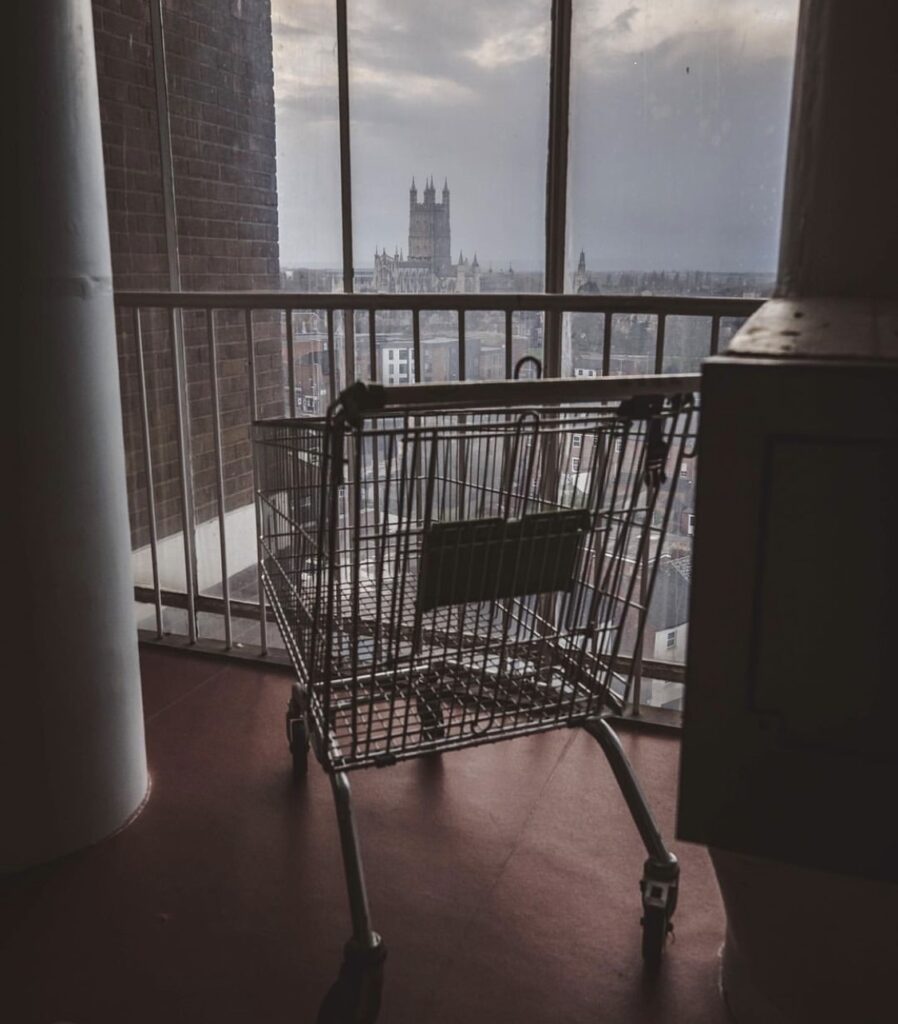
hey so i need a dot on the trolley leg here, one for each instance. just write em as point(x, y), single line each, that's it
point(661, 871)
point(352, 864)
point(298, 733)
point(354, 998)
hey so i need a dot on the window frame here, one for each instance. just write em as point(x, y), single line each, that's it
point(555, 229)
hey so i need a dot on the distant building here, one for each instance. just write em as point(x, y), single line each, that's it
point(397, 359)
point(429, 235)
point(428, 266)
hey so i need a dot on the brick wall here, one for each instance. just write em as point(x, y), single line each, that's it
point(220, 82)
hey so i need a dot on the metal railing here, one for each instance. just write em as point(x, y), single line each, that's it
point(341, 336)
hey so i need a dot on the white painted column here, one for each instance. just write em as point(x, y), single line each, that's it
point(71, 728)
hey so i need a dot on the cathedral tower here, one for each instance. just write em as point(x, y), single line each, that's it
point(428, 228)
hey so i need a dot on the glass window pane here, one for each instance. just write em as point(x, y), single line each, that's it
point(454, 96)
point(304, 35)
point(679, 119)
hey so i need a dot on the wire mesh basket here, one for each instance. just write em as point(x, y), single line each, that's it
point(446, 572)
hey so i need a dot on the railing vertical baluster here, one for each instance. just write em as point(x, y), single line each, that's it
point(553, 335)
point(349, 370)
point(715, 334)
point(219, 475)
point(509, 354)
point(331, 358)
point(416, 344)
point(182, 423)
point(462, 375)
point(659, 343)
point(375, 441)
point(606, 344)
point(291, 363)
point(462, 347)
point(254, 415)
point(148, 470)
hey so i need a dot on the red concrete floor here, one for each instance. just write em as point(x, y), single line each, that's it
point(504, 880)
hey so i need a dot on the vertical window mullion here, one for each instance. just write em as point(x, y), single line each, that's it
point(345, 185)
point(556, 176)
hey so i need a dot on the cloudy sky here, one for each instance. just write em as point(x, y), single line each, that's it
point(678, 127)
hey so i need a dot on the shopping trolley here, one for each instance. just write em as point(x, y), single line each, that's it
point(456, 564)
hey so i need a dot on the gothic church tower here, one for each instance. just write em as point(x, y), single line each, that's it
point(428, 229)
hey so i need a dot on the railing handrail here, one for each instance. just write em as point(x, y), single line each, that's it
point(664, 305)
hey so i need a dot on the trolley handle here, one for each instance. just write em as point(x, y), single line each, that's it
point(363, 399)
point(522, 362)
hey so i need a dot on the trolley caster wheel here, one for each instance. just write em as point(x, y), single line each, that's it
point(659, 900)
point(354, 998)
point(298, 737)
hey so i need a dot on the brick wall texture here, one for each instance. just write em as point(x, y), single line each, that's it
point(221, 102)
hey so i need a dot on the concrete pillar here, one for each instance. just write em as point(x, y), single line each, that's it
point(71, 731)
point(840, 212)
point(788, 763)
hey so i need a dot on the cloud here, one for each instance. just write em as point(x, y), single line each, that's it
point(623, 22)
point(409, 87)
point(304, 50)
point(757, 29)
point(507, 48)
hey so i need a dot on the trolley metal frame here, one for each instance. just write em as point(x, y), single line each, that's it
point(446, 571)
